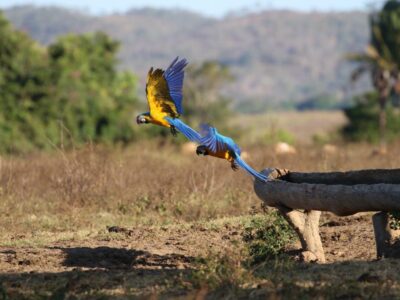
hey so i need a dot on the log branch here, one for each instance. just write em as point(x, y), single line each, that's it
point(343, 193)
point(306, 225)
point(382, 233)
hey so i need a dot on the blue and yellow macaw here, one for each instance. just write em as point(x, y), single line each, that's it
point(164, 95)
point(215, 144)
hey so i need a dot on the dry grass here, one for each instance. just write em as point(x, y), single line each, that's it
point(145, 184)
point(180, 207)
point(94, 187)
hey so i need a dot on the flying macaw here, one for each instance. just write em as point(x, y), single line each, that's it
point(164, 95)
point(215, 144)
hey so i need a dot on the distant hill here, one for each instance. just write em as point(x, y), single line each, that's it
point(276, 56)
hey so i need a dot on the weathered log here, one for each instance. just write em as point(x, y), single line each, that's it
point(374, 176)
point(341, 199)
point(343, 193)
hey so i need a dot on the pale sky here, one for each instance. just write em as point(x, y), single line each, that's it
point(215, 8)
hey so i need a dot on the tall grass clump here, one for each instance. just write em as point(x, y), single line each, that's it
point(267, 237)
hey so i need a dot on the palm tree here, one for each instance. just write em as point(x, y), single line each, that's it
point(382, 59)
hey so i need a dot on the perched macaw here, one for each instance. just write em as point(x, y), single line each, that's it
point(214, 144)
point(164, 95)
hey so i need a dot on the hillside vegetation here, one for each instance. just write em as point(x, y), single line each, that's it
point(276, 56)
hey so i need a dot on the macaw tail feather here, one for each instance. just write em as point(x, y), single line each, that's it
point(186, 130)
point(250, 170)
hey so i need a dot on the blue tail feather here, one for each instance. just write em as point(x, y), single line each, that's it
point(250, 170)
point(186, 130)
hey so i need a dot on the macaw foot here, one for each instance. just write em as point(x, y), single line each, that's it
point(234, 166)
point(173, 130)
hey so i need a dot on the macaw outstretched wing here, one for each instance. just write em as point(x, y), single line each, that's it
point(241, 163)
point(217, 142)
point(186, 130)
point(213, 140)
point(174, 76)
point(164, 89)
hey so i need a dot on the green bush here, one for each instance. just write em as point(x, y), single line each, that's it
point(275, 135)
point(320, 102)
point(220, 271)
point(267, 236)
point(394, 220)
point(363, 119)
point(68, 93)
point(203, 100)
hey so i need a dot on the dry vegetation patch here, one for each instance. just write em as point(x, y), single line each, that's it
point(181, 214)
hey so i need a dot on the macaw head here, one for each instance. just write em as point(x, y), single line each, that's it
point(143, 118)
point(202, 150)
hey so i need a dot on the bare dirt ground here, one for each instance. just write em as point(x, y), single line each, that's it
point(155, 261)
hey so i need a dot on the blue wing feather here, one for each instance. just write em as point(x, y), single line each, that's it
point(241, 163)
point(186, 130)
point(218, 142)
point(174, 76)
point(232, 145)
point(212, 139)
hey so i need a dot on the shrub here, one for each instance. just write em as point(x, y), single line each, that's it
point(267, 237)
point(68, 93)
point(363, 120)
point(275, 135)
point(221, 274)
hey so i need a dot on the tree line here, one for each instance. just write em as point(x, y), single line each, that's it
point(71, 92)
point(68, 92)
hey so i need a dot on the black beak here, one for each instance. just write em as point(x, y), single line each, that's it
point(201, 150)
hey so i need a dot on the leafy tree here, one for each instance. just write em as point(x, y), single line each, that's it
point(204, 101)
point(70, 89)
point(90, 98)
point(382, 58)
point(362, 117)
point(22, 84)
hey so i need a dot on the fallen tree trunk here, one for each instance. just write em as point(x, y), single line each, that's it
point(341, 199)
point(343, 193)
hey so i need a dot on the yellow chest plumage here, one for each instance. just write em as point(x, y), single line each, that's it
point(222, 154)
point(160, 103)
point(157, 116)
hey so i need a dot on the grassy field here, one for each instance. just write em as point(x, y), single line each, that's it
point(149, 221)
point(303, 127)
